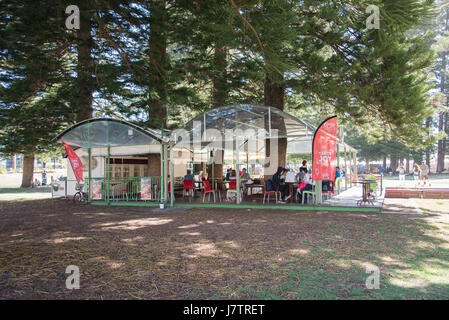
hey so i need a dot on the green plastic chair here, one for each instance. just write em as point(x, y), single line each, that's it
point(309, 193)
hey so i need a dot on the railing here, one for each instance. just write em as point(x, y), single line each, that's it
point(126, 189)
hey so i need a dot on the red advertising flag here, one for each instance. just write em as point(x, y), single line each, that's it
point(75, 161)
point(325, 150)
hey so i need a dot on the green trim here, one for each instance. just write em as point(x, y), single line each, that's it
point(108, 174)
point(126, 204)
point(298, 208)
point(243, 206)
point(89, 175)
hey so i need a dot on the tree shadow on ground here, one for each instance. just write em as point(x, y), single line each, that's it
point(137, 252)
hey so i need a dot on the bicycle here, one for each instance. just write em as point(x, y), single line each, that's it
point(80, 196)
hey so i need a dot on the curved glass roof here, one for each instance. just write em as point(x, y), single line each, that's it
point(273, 122)
point(101, 132)
point(246, 120)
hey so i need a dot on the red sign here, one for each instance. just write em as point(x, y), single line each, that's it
point(75, 161)
point(325, 151)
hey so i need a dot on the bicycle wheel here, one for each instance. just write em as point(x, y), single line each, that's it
point(78, 198)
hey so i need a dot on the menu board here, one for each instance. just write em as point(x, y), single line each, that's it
point(145, 188)
point(96, 189)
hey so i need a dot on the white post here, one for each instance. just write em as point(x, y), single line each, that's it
point(165, 173)
point(172, 178)
point(237, 168)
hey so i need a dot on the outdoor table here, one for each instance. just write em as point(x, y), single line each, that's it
point(197, 185)
point(365, 190)
point(251, 187)
point(291, 188)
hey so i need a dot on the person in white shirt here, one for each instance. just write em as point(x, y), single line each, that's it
point(310, 183)
point(290, 176)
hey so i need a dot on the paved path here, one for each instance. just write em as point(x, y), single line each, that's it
point(400, 206)
point(349, 198)
point(27, 196)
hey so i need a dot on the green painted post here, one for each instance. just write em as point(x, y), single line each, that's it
point(172, 178)
point(108, 173)
point(213, 169)
point(108, 165)
point(165, 173)
point(162, 163)
point(89, 154)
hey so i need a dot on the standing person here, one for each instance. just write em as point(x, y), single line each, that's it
point(401, 171)
point(424, 173)
point(337, 173)
point(416, 173)
point(228, 174)
point(44, 178)
point(304, 165)
point(382, 170)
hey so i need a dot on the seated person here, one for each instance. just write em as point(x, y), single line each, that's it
point(300, 175)
point(188, 176)
point(307, 184)
point(232, 185)
point(277, 184)
point(244, 177)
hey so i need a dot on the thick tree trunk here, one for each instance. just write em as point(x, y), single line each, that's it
point(220, 93)
point(394, 162)
point(28, 170)
point(274, 95)
point(441, 152)
point(384, 162)
point(407, 166)
point(446, 139)
point(428, 124)
point(157, 82)
point(83, 100)
point(442, 124)
point(220, 88)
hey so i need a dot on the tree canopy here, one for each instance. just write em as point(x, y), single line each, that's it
point(160, 62)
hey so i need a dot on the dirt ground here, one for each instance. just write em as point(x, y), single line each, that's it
point(198, 253)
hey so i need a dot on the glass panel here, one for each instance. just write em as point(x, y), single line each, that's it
point(248, 117)
point(95, 134)
point(117, 170)
point(126, 170)
point(136, 170)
